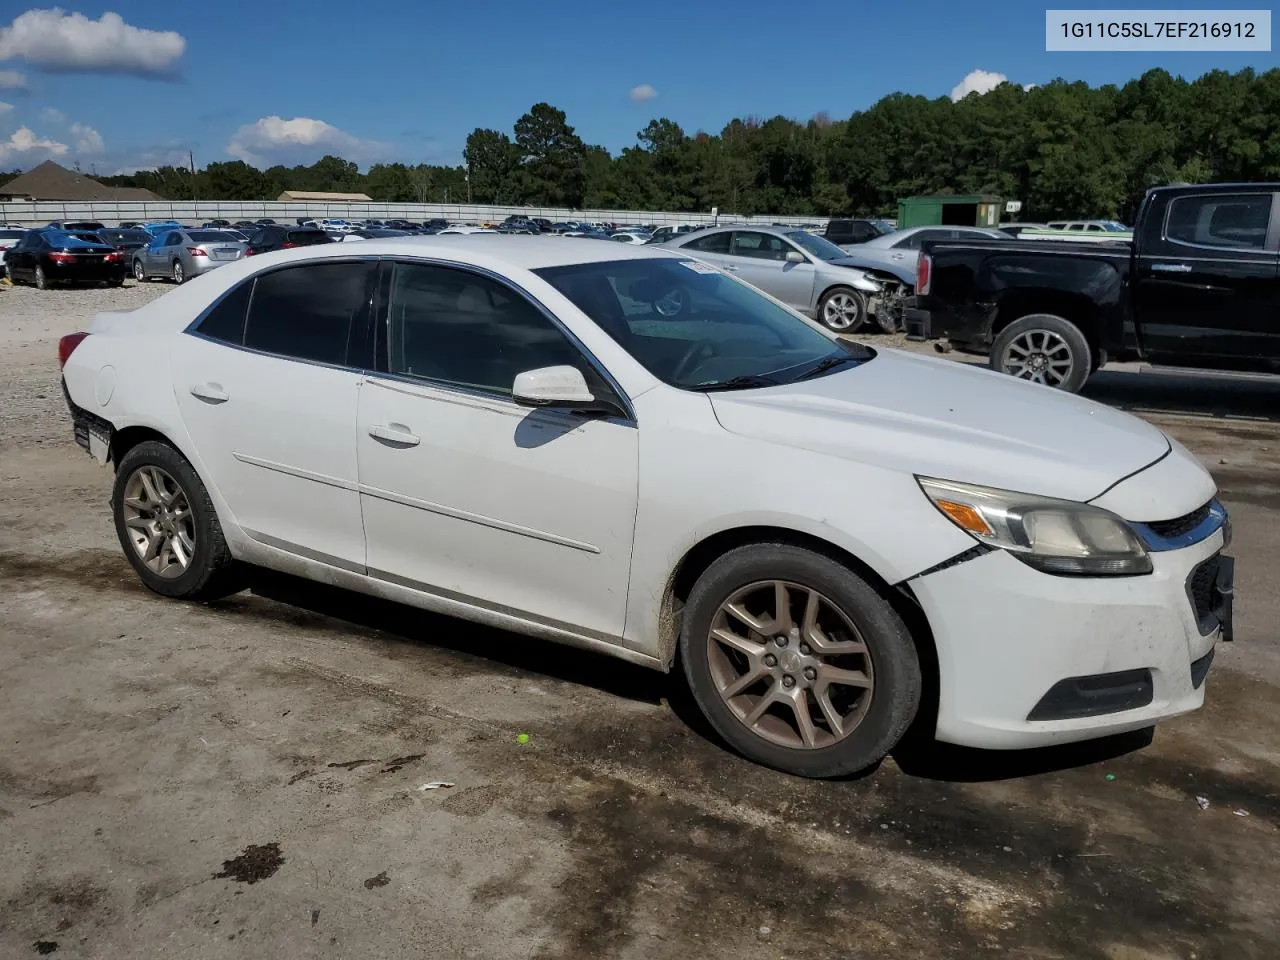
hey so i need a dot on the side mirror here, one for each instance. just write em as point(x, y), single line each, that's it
point(795, 256)
point(552, 387)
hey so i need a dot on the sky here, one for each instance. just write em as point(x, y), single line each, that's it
point(135, 84)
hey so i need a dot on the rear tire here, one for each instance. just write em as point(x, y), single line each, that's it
point(844, 682)
point(139, 272)
point(1043, 348)
point(157, 499)
point(179, 276)
point(42, 282)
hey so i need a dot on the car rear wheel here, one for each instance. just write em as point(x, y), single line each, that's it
point(178, 274)
point(842, 309)
point(1043, 348)
point(797, 662)
point(42, 282)
point(168, 528)
point(139, 273)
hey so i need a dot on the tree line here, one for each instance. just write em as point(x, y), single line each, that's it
point(1064, 149)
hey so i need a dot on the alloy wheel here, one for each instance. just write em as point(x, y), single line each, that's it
point(1040, 356)
point(842, 311)
point(138, 273)
point(159, 520)
point(178, 275)
point(790, 664)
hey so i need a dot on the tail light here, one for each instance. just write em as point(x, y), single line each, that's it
point(924, 273)
point(62, 257)
point(114, 257)
point(287, 245)
point(197, 251)
point(67, 346)
point(249, 251)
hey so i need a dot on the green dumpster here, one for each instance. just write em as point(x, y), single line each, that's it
point(952, 210)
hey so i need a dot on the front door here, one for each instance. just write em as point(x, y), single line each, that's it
point(1205, 283)
point(267, 385)
point(761, 260)
point(470, 496)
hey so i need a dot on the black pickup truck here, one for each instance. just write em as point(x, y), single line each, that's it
point(1196, 287)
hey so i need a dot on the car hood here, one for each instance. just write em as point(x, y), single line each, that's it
point(901, 263)
point(955, 421)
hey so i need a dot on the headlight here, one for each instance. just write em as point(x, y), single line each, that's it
point(1055, 536)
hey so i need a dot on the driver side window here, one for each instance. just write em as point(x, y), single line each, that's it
point(760, 246)
point(461, 329)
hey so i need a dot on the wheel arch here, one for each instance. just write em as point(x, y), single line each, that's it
point(701, 555)
point(1073, 307)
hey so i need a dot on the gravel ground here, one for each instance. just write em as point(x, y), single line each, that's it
point(244, 779)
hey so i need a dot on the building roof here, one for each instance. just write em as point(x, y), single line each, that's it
point(49, 181)
point(324, 197)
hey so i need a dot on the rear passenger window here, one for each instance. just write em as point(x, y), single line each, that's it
point(465, 330)
point(225, 322)
point(307, 312)
point(711, 243)
point(1230, 221)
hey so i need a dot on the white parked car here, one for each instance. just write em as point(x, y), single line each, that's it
point(463, 230)
point(623, 449)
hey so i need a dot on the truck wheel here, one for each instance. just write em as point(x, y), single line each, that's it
point(1043, 348)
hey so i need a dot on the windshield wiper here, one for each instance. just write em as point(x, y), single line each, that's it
point(737, 383)
point(828, 363)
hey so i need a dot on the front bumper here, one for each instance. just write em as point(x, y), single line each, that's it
point(1027, 659)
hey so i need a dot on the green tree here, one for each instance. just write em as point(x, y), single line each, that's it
point(492, 160)
point(552, 158)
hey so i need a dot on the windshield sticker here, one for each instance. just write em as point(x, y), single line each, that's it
point(697, 267)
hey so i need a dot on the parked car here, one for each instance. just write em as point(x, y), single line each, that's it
point(271, 237)
point(183, 254)
point(48, 257)
point(805, 272)
point(217, 224)
point(1089, 226)
point(373, 234)
point(336, 225)
point(125, 240)
point(253, 421)
point(519, 226)
point(8, 238)
point(453, 231)
point(1196, 288)
point(843, 231)
point(158, 227)
point(630, 236)
point(1013, 229)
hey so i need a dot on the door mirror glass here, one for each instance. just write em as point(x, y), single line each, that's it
point(561, 386)
point(795, 256)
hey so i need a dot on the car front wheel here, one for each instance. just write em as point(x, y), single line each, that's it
point(797, 662)
point(842, 309)
point(167, 525)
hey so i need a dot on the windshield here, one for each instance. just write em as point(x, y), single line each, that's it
point(820, 247)
point(695, 328)
point(128, 236)
point(1112, 227)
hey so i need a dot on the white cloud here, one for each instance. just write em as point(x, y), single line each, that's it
point(642, 93)
point(53, 115)
point(88, 140)
point(5, 107)
point(12, 80)
point(63, 42)
point(273, 140)
point(27, 149)
point(977, 81)
point(1030, 86)
point(148, 158)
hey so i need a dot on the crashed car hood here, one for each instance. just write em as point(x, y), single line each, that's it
point(954, 421)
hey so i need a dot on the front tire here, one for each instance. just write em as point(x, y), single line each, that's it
point(797, 662)
point(1043, 348)
point(842, 309)
point(168, 528)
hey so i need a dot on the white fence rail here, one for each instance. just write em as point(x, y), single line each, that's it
point(110, 212)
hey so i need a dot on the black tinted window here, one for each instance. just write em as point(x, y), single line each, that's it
point(1234, 221)
point(711, 243)
point(462, 329)
point(210, 236)
point(225, 321)
point(307, 312)
point(305, 238)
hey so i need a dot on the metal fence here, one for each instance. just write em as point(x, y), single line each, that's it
point(111, 212)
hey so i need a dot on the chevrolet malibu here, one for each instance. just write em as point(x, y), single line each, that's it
point(626, 450)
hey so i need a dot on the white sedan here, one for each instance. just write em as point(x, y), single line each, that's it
point(626, 450)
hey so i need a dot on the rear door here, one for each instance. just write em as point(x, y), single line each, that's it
point(266, 384)
point(1205, 282)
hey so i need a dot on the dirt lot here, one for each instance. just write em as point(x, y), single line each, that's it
point(244, 779)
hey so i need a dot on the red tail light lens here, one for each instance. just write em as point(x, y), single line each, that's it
point(288, 244)
point(62, 257)
point(924, 274)
point(67, 346)
point(249, 251)
point(115, 257)
point(197, 251)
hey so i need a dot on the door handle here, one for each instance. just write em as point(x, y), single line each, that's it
point(396, 434)
point(731, 268)
point(897, 256)
point(1171, 268)
point(210, 393)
